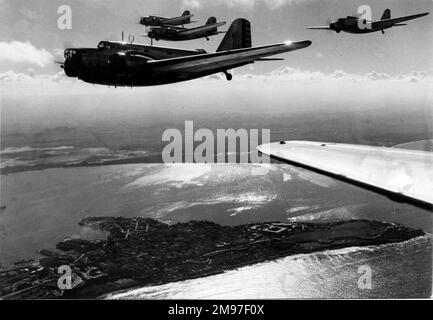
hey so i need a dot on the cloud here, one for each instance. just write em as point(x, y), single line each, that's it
point(280, 75)
point(11, 77)
point(16, 52)
point(285, 73)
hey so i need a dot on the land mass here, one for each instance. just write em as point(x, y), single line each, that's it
point(144, 252)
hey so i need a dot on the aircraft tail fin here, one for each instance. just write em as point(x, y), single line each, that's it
point(237, 37)
point(386, 15)
point(187, 13)
point(211, 20)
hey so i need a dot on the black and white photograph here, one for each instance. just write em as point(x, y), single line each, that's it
point(216, 150)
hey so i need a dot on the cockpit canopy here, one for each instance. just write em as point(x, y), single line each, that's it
point(112, 45)
point(69, 53)
point(108, 45)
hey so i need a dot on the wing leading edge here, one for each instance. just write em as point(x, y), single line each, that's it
point(224, 59)
point(396, 21)
point(402, 173)
point(202, 28)
point(177, 19)
point(320, 28)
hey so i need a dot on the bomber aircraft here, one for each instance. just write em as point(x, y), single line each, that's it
point(352, 24)
point(152, 21)
point(126, 64)
point(173, 33)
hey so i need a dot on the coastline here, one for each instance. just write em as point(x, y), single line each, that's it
point(143, 252)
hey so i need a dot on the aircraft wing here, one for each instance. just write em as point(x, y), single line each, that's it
point(177, 19)
point(177, 28)
point(168, 27)
point(319, 28)
point(202, 28)
point(395, 21)
point(223, 60)
point(406, 174)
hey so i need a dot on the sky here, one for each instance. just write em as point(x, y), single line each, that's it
point(30, 39)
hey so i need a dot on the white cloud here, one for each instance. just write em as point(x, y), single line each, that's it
point(11, 77)
point(285, 73)
point(282, 74)
point(16, 52)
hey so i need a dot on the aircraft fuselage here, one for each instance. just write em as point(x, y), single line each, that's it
point(172, 35)
point(123, 64)
point(354, 25)
point(159, 21)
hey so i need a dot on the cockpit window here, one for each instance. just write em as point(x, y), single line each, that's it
point(69, 53)
point(104, 45)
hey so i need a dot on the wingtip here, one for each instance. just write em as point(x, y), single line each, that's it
point(304, 44)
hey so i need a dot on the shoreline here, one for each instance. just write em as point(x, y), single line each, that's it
point(144, 252)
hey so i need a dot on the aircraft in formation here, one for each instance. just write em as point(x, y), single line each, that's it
point(352, 24)
point(154, 21)
point(127, 64)
point(175, 33)
point(113, 63)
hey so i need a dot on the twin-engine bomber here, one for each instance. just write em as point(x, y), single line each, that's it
point(132, 65)
point(352, 24)
point(173, 33)
point(154, 21)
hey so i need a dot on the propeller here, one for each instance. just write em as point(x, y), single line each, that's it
point(62, 64)
point(334, 25)
point(59, 55)
point(148, 31)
